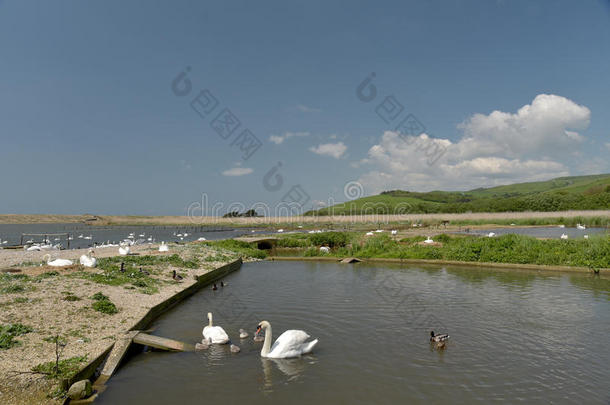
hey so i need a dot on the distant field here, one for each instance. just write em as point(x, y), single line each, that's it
point(599, 218)
point(561, 194)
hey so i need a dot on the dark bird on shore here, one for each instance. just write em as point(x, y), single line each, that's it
point(176, 276)
point(144, 272)
point(438, 338)
point(122, 267)
point(214, 287)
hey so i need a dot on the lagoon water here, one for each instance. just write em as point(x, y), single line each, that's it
point(115, 234)
point(516, 336)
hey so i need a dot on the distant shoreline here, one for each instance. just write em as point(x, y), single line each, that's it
point(134, 220)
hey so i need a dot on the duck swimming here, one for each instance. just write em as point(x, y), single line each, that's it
point(438, 338)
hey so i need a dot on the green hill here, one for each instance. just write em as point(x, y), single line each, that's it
point(563, 193)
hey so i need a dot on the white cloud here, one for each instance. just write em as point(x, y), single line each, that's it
point(335, 150)
point(495, 149)
point(237, 171)
point(607, 145)
point(306, 109)
point(278, 139)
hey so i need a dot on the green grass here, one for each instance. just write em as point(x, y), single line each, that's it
point(64, 369)
point(520, 249)
point(103, 304)
point(565, 193)
point(241, 248)
point(9, 332)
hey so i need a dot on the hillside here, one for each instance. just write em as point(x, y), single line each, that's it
point(560, 194)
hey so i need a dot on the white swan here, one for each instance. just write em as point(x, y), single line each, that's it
point(491, 234)
point(394, 231)
point(56, 262)
point(124, 250)
point(280, 230)
point(292, 343)
point(215, 334)
point(586, 236)
point(581, 227)
point(163, 247)
point(324, 249)
point(88, 237)
point(369, 234)
point(564, 236)
point(379, 230)
point(428, 240)
point(202, 239)
point(88, 260)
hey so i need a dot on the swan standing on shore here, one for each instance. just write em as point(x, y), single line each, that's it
point(292, 343)
point(163, 247)
point(215, 334)
point(428, 240)
point(88, 260)
point(124, 250)
point(56, 262)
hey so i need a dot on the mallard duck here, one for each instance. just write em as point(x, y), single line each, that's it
point(438, 338)
point(214, 287)
point(176, 276)
point(144, 272)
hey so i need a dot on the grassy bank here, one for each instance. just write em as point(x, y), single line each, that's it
point(518, 249)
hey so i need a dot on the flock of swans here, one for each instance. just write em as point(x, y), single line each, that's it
point(290, 344)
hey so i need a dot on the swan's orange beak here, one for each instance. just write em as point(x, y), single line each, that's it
point(258, 329)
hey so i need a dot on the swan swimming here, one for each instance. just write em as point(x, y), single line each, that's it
point(491, 234)
point(163, 247)
point(292, 343)
point(581, 227)
point(88, 260)
point(215, 334)
point(56, 262)
point(564, 236)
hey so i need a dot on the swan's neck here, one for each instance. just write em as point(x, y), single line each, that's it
point(210, 320)
point(267, 344)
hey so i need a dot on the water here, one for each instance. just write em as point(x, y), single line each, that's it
point(114, 234)
point(552, 232)
point(515, 336)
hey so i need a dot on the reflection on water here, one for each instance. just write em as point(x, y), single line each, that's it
point(534, 337)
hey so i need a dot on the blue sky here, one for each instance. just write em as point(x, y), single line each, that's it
point(89, 121)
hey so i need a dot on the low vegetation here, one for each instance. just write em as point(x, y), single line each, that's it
point(592, 252)
point(8, 333)
point(103, 304)
point(231, 247)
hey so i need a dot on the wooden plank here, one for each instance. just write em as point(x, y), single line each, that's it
point(118, 352)
point(162, 343)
